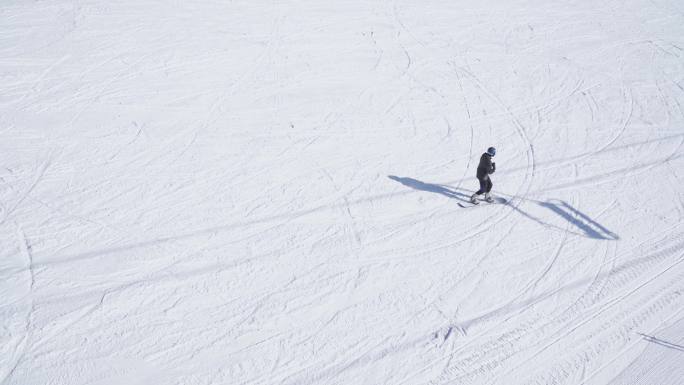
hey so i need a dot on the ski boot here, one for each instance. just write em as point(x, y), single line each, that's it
point(489, 198)
point(473, 199)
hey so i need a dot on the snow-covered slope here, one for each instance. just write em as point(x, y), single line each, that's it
point(266, 192)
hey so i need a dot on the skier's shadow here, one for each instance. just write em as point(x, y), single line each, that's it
point(590, 227)
point(429, 187)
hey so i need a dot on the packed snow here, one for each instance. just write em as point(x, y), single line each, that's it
point(267, 192)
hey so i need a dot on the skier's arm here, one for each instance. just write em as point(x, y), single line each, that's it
point(493, 168)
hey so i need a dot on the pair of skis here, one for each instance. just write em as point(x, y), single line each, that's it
point(496, 200)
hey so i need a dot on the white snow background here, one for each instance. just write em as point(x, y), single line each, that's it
point(266, 192)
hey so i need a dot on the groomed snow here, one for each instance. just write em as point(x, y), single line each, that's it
point(266, 192)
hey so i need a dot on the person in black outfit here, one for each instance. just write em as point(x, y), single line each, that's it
point(484, 169)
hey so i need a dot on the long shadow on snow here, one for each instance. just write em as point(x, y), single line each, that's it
point(588, 226)
point(429, 187)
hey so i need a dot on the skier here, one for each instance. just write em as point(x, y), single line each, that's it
point(485, 168)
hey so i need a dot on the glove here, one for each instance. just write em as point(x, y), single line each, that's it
point(493, 166)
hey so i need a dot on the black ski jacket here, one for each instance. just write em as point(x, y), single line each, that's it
point(486, 166)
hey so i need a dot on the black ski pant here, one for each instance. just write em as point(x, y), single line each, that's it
point(485, 185)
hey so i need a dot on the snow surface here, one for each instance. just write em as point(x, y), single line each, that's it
point(266, 192)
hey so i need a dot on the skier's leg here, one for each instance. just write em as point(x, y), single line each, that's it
point(488, 197)
point(484, 183)
point(483, 188)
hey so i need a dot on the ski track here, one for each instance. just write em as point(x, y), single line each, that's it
point(266, 193)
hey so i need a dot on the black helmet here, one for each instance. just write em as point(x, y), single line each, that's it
point(491, 151)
